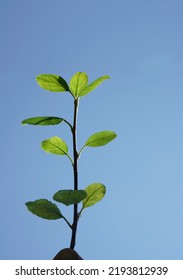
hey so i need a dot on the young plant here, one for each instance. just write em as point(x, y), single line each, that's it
point(78, 88)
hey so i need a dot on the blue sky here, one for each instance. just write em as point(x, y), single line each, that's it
point(139, 44)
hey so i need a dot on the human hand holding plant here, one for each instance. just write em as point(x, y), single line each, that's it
point(78, 88)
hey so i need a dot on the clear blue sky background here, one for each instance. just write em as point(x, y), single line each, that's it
point(139, 44)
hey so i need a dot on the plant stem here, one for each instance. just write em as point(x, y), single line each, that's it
point(75, 169)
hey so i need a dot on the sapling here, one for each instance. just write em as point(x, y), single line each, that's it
point(93, 193)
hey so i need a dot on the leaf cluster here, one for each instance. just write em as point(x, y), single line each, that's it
point(47, 210)
point(93, 193)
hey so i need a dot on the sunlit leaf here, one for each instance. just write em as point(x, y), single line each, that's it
point(78, 82)
point(48, 120)
point(100, 138)
point(52, 82)
point(44, 208)
point(93, 85)
point(95, 192)
point(69, 197)
point(55, 145)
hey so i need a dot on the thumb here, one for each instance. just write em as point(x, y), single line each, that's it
point(67, 254)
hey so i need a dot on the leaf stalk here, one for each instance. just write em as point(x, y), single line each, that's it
point(67, 221)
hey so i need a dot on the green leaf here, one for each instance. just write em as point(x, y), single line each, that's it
point(100, 138)
point(95, 192)
point(68, 197)
point(78, 82)
point(48, 120)
point(93, 85)
point(52, 82)
point(55, 145)
point(44, 208)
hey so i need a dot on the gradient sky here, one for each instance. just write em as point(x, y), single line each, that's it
point(139, 44)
